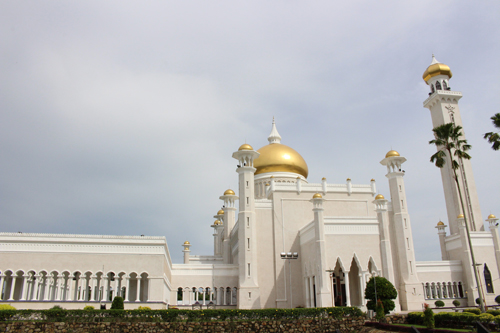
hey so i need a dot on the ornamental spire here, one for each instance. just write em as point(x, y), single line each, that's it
point(274, 137)
point(434, 60)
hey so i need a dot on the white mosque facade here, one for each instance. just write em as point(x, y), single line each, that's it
point(279, 241)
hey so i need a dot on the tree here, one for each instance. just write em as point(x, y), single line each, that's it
point(451, 145)
point(428, 316)
point(439, 303)
point(492, 137)
point(385, 292)
point(456, 303)
point(380, 310)
point(497, 299)
point(117, 303)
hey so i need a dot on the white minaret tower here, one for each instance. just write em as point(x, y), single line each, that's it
point(408, 285)
point(443, 104)
point(442, 236)
point(385, 239)
point(229, 199)
point(248, 291)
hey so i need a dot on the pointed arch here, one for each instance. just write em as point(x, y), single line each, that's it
point(488, 282)
point(372, 266)
point(438, 85)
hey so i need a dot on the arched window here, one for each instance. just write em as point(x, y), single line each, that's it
point(179, 294)
point(432, 88)
point(460, 290)
point(487, 280)
point(445, 86)
point(438, 85)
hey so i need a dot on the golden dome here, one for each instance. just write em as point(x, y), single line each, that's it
point(323, 178)
point(348, 179)
point(491, 216)
point(372, 180)
point(392, 153)
point(220, 212)
point(245, 146)
point(317, 196)
point(229, 192)
point(461, 216)
point(187, 243)
point(379, 197)
point(435, 70)
point(440, 223)
point(276, 157)
point(217, 222)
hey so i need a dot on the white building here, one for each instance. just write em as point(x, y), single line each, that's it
point(280, 241)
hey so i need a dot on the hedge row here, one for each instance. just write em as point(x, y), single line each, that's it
point(174, 315)
point(454, 319)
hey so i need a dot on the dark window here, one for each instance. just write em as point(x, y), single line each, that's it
point(487, 280)
point(432, 88)
point(445, 86)
point(438, 85)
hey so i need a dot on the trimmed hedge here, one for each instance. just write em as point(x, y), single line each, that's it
point(453, 319)
point(175, 315)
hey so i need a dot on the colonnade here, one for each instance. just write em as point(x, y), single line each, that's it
point(205, 296)
point(441, 290)
point(76, 286)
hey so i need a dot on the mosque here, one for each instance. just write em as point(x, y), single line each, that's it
point(279, 242)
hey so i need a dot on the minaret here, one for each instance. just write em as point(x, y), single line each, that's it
point(248, 291)
point(186, 251)
point(493, 220)
point(323, 292)
point(229, 199)
point(218, 230)
point(385, 239)
point(409, 287)
point(443, 105)
point(442, 235)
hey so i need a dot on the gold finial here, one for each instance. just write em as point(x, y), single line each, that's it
point(379, 197)
point(229, 192)
point(245, 146)
point(392, 153)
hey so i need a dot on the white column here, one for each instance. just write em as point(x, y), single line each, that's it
point(13, 286)
point(57, 288)
point(83, 288)
point(127, 291)
point(105, 289)
point(311, 292)
point(203, 296)
point(116, 286)
point(347, 291)
point(46, 288)
point(71, 284)
point(93, 284)
point(138, 289)
point(24, 290)
point(2, 280)
point(147, 288)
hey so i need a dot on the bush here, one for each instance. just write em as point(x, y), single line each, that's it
point(485, 318)
point(456, 303)
point(385, 292)
point(117, 303)
point(88, 307)
point(494, 312)
point(439, 304)
point(416, 318)
point(144, 308)
point(6, 307)
point(56, 307)
point(428, 317)
point(475, 311)
point(497, 299)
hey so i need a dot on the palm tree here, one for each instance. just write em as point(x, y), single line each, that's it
point(494, 138)
point(451, 146)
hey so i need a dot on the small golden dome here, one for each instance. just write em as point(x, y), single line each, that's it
point(217, 222)
point(435, 70)
point(220, 212)
point(245, 146)
point(267, 184)
point(379, 197)
point(491, 216)
point(323, 178)
point(348, 179)
point(317, 196)
point(187, 243)
point(229, 192)
point(392, 153)
point(276, 157)
point(461, 216)
point(440, 223)
point(372, 180)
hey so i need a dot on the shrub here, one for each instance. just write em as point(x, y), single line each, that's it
point(477, 301)
point(117, 303)
point(89, 307)
point(428, 317)
point(497, 299)
point(385, 292)
point(416, 318)
point(494, 312)
point(473, 310)
point(144, 308)
point(485, 318)
point(56, 307)
point(380, 310)
point(456, 303)
point(439, 304)
point(7, 307)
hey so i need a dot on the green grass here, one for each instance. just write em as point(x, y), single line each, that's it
point(448, 329)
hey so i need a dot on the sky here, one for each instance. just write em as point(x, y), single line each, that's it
point(120, 117)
